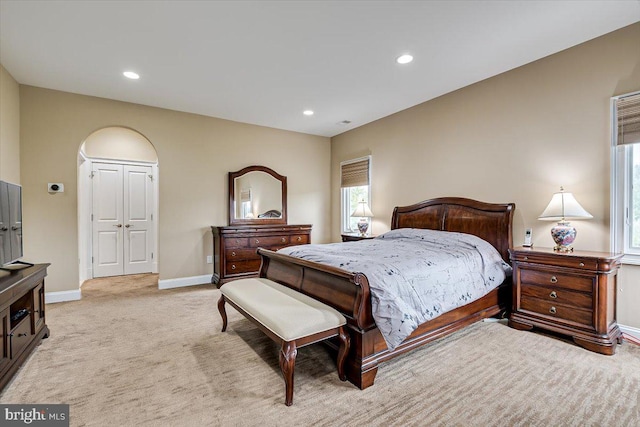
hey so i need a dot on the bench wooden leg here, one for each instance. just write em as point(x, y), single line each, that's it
point(288, 354)
point(345, 343)
point(223, 313)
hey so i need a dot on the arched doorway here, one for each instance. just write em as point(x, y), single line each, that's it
point(117, 204)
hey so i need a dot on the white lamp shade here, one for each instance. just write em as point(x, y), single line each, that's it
point(362, 211)
point(564, 206)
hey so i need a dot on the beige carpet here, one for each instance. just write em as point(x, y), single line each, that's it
point(131, 355)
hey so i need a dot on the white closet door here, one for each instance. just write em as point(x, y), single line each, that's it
point(138, 206)
point(108, 224)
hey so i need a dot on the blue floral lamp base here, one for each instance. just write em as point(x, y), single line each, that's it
point(363, 226)
point(563, 234)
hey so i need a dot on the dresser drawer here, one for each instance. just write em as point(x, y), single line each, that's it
point(558, 296)
point(299, 239)
point(20, 336)
point(267, 241)
point(556, 280)
point(240, 254)
point(236, 242)
point(250, 266)
point(557, 311)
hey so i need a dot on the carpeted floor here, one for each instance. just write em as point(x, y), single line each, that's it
point(129, 354)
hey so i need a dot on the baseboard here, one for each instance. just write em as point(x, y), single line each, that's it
point(628, 330)
point(62, 296)
point(184, 281)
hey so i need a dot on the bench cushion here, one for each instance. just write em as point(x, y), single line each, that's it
point(287, 313)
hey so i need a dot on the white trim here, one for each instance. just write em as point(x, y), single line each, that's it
point(62, 296)
point(184, 281)
point(634, 332)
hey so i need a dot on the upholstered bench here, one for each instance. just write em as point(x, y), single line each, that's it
point(288, 317)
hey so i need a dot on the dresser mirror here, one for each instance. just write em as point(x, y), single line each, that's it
point(257, 195)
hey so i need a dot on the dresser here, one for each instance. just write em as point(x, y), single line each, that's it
point(235, 247)
point(568, 293)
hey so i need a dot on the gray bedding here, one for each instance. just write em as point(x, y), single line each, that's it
point(414, 275)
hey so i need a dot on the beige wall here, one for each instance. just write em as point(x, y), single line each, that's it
point(119, 143)
point(9, 128)
point(516, 137)
point(195, 153)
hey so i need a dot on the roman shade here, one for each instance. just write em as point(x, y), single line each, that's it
point(628, 119)
point(354, 174)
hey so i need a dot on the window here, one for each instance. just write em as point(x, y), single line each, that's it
point(625, 177)
point(355, 183)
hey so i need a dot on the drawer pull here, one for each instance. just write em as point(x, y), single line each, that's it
point(233, 266)
point(581, 264)
point(22, 335)
point(233, 254)
point(552, 310)
point(283, 240)
point(299, 238)
point(257, 241)
point(553, 295)
point(526, 258)
point(554, 279)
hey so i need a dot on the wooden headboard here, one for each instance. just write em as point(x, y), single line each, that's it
point(489, 221)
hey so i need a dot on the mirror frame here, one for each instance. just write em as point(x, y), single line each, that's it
point(256, 221)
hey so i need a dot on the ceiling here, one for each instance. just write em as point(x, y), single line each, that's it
point(264, 62)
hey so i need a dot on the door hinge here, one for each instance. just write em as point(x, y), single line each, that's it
point(91, 217)
point(91, 260)
point(151, 255)
point(151, 217)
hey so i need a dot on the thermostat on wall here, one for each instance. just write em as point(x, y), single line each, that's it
point(55, 187)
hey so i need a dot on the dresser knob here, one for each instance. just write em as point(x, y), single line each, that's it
point(233, 266)
point(552, 310)
point(526, 258)
point(283, 240)
point(233, 254)
point(554, 279)
point(299, 239)
point(553, 295)
point(257, 241)
point(582, 264)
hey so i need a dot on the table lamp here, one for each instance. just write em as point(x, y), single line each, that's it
point(363, 212)
point(563, 206)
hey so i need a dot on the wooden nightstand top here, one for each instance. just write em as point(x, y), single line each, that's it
point(354, 237)
point(576, 254)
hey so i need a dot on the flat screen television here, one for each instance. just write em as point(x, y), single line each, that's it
point(11, 249)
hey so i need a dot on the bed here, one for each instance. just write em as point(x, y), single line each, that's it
point(349, 292)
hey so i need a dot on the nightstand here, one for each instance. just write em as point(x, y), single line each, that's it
point(569, 293)
point(354, 237)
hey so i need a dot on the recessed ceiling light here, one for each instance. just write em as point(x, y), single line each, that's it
point(307, 113)
point(404, 59)
point(131, 75)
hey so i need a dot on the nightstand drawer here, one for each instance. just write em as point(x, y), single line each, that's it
point(568, 260)
point(558, 296)
point(554, 279)
point(557, 311)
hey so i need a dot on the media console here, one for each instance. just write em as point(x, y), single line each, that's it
point(22, 319)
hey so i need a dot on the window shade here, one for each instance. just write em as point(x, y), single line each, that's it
point(628, 117)
point(354, 174)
